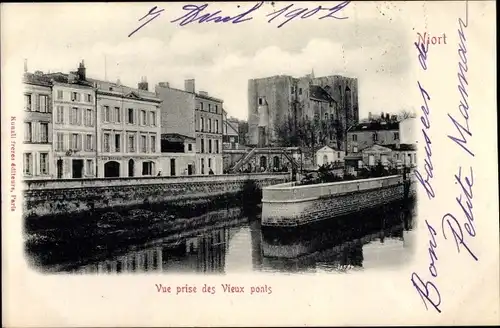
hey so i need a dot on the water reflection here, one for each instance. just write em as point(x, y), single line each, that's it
point(377, 237)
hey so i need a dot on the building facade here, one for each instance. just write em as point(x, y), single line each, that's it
point(195, 115)
point(365, 135)
point(178, 155)
point(74, 118)
point(38, 155)
point(274, 102)
point(129, 131)
point(230, 133)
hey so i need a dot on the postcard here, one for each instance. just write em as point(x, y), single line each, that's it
point(249, 164)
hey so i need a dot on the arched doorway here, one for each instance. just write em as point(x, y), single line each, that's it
point(325, 159)
point(276, 162)
point(263, 162)
point(111, 169)
point(131, 168)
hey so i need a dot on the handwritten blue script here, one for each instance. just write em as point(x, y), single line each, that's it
point(195, 13)
point(154, 12)
point(458, 228)
point(428, 167)
point(201, 13)
point(451, 220)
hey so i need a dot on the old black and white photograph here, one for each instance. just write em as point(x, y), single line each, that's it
point(253, 163)
point(204, 153)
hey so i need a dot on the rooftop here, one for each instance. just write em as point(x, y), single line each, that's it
point(173, 137)
point(402, 147)
point(317, 92)
point(374, 126)
point(37, 79)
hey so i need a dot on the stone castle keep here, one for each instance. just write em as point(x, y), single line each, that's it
point(277, 100)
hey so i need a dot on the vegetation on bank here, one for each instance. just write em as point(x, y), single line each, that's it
point(329, 173)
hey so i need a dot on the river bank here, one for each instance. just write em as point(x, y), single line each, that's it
point(54, 240)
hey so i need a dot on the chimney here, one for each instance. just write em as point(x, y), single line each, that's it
point(25, 66)
point(118, 82)
point(203, 93)
point(189, 85)
point(143, 85)
point(82, 71)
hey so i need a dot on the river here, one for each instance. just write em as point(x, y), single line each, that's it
point(379, 237)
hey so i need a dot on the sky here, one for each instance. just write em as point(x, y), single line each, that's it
point(374, 44)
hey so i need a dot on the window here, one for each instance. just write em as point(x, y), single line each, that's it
point(202, 166)
point(118, 117)
point(217, 126)
point(130, 116)
point(89, 145)
point(107, 117)
point(201, 124)
point(27, 102)
point(89, 167)
point(118, 139)
point(60, 114)
point(27, 132)
point(28, 164)
point(209, 107)
point(300, 91)
point(190, 147)
point(375, 137)
point(60, 94)
point(75, 116)
point(396, 135)
point(88, 117)
point(201, 105)
point(338, 154)
point(209, 145)
point(260, 101)
point(216, 109)
point(44, 163)
point(355, 149)
point(143, 117)
point(43, 104)
point(143, 144)
point(44, 132)
point(73, 96)
point(326, 116)
point(131, 143)
point(209, 125)
point(147, 168)
point(153, 144)
point(89, 97)
point(202, 145)
point(292, 90)
point(354, 137)
point(59, 141)
point(152, 118)
point(209, 163)
point(106, 142)
point(216, 146)
point(74, 141)
point(172, 166)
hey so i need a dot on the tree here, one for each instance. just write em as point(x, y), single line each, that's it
point(308, 133)
point(404, 114)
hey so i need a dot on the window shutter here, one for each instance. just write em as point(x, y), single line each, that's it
point(37, 99)
point(49, 132)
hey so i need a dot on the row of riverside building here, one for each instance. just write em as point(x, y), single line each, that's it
point(79, 127)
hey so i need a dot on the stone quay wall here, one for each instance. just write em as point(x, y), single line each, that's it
point(288, 205)
point(67, 196)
